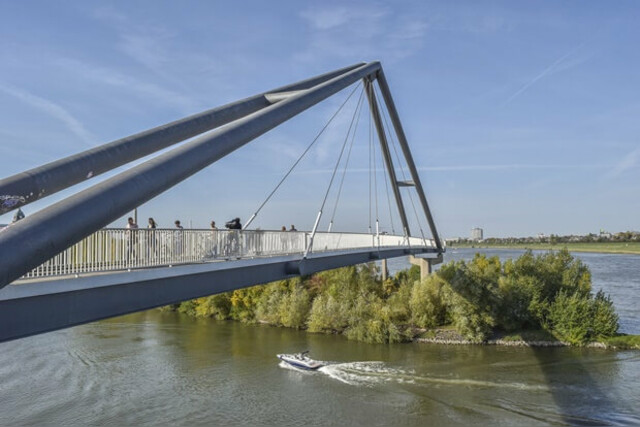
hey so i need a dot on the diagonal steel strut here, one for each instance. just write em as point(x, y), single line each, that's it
point(29, 186)
point(32, 241)
point(384, 144)
point(402, 139)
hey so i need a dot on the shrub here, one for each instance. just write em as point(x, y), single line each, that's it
point(372, 323)
point(427, 302)
point(294, 308)
point(570, 317)
point(518, 303)
point(469, 319)
point(604, 317)
point(217, 306)
point(267, 308)
point(398, 303)
point(327, 315)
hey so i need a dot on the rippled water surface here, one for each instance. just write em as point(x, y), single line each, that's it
point(161, 368)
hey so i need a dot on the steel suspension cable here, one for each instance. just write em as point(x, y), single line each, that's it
point(346, 164)
point(395, 150)
point(369, 171)
point(300, 158)
point(375, 189)
point(326, 194)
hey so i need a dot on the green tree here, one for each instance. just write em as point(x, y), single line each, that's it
point(428, 302)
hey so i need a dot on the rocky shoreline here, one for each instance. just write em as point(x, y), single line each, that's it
point(450, 337)
point(508, 343)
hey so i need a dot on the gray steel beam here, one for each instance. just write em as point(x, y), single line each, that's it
point(382, 137)
point(37, 238)
point(402, 139)
point(29, 186)
point(35, 307)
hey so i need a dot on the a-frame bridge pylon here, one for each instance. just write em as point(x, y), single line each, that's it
point(39, 237)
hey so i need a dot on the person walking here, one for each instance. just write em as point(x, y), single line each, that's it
point(151, 239)
point(177, 239)
point(132, 238)
point(233, 238)
point(284, 239)
point(214, 240)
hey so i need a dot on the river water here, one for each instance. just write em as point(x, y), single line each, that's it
point(163, 368)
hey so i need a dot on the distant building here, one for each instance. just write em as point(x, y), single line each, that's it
point(605, 234)
point(476, 234)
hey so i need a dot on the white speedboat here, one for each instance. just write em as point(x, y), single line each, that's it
point(301, 361)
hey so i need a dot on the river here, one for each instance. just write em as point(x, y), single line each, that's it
point(164, 368)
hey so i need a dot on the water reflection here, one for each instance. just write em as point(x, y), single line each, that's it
point(157, 368)
point(165, 368)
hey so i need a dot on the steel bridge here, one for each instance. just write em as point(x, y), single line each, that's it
point(56, 273)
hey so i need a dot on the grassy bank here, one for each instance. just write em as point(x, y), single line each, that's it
point(546, 298)
point(601, 247)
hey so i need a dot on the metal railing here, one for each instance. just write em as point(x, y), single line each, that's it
point(122, 249)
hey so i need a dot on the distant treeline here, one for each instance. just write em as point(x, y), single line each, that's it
point(549, 292)
point(624, 236)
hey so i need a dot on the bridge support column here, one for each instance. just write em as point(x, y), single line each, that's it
point(425, 264)
point(385, 270)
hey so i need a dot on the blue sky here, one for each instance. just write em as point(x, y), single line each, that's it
point(522, 116)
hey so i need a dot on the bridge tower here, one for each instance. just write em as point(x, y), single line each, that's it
point(213, 134)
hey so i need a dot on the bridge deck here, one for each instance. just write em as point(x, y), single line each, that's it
point(39, 305)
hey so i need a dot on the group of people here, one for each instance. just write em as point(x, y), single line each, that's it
point(132, 225)
point(226, 244)
point(234, 224)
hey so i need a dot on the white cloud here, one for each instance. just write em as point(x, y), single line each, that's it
point(324, 19)
point(51, 109)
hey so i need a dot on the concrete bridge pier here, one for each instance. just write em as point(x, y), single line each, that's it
point(385, 270)
point(425, 264)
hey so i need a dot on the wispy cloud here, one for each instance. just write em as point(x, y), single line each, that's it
point(111, 77)
point(324, 19)
point(629, 161)
point(145, 44)
point(510, 167)
point(51, 109)
point(559, 64)
point(372, 32)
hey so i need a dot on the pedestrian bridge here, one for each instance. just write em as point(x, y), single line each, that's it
point(56, 273)
point(112, 250)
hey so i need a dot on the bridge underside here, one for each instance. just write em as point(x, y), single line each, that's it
point(29, 308)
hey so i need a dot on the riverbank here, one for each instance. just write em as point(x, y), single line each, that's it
point(630, 248)
point(539, 338)
point(535, 298)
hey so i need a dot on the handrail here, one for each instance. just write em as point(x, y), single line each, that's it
point(113, 249)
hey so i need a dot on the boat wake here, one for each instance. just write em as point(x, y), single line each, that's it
point(371, 374)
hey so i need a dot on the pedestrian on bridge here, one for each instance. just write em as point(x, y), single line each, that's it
point(151, 239)
point(132, 237)
point(177, 238)
point(232, 246)
point(18, 216)
point(214, 240)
